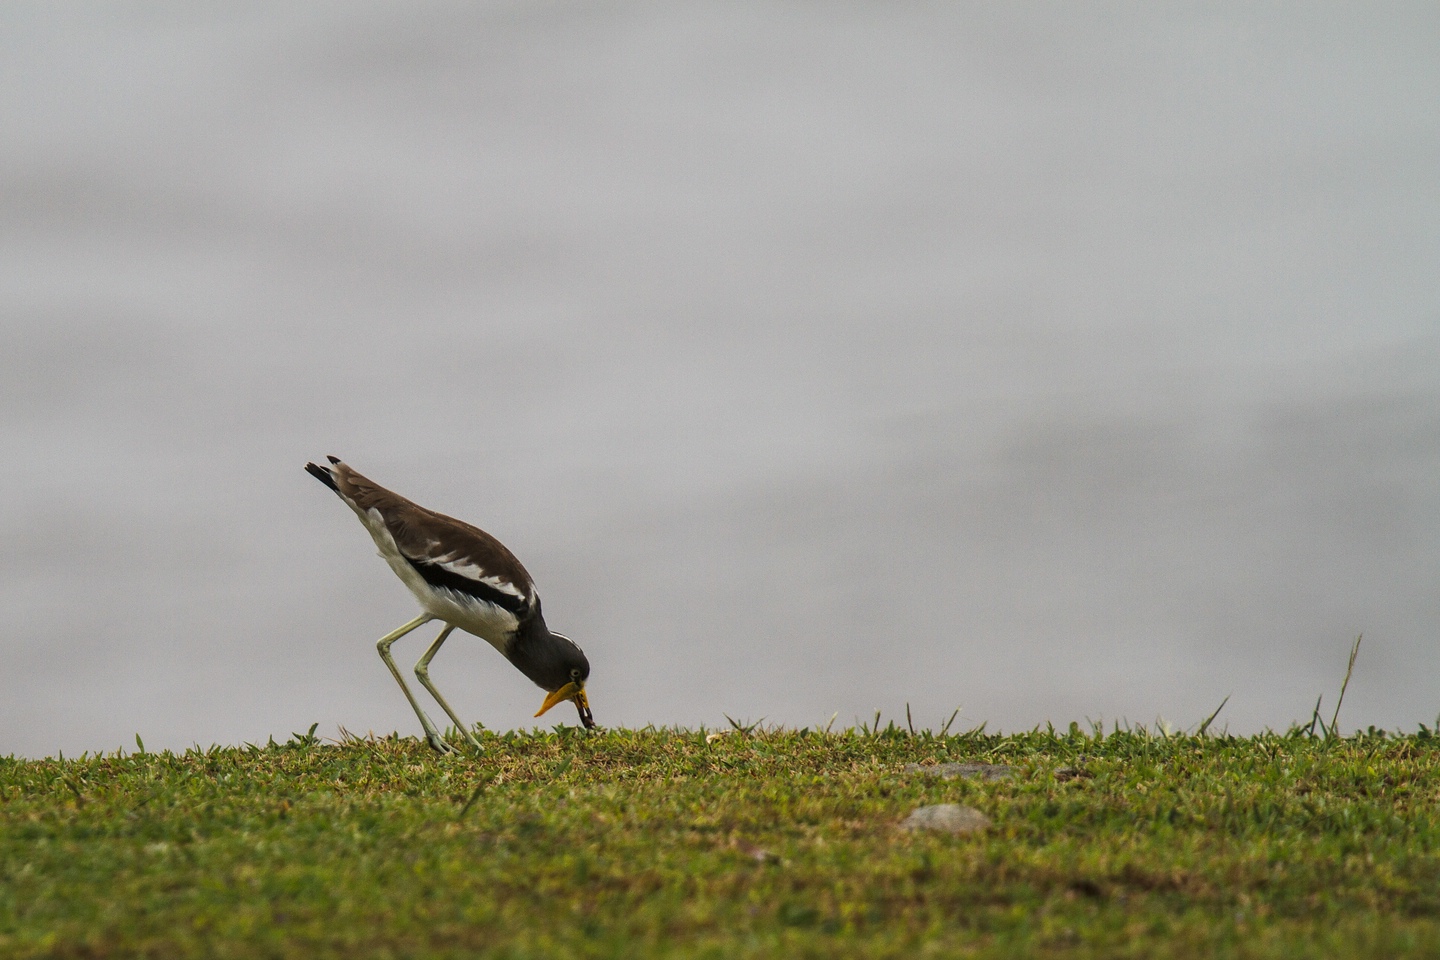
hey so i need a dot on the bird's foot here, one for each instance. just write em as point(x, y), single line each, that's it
point(438, 745)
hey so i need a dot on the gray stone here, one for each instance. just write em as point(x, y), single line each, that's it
point(946, 818)
point(1065, 774)
point(949, 771)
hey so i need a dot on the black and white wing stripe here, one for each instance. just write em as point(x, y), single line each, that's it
point(453, 555)
point(463, 575)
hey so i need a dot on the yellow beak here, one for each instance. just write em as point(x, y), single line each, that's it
point(571, 691)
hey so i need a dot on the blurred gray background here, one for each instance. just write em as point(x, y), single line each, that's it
point(1053, 361)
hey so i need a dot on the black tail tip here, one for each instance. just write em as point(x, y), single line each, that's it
point(333, 459)
point(323, 475)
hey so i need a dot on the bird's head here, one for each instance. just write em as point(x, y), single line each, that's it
point(563, 672)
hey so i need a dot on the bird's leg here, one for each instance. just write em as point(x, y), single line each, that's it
point(383, 645)
point(422, 670)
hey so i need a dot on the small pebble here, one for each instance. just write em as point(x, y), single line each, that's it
point(946, 818)
point(758, 854)
point(1063, 774)
point(949, 771)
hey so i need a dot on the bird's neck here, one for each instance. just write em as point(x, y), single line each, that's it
point(527, 651)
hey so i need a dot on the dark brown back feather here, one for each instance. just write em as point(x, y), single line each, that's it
point(426, 538)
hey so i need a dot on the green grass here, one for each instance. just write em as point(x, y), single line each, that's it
point(778, 843)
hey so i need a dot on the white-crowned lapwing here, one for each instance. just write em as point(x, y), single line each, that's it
point(466, 578)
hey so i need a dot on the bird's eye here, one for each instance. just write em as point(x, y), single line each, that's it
point(575, 674)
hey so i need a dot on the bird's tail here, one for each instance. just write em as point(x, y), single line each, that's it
point(324, 474)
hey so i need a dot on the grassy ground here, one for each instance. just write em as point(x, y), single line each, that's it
point(761, 844)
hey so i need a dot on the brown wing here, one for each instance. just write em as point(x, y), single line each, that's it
point(447, 552)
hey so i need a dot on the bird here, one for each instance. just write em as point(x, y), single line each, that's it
point(463, 577)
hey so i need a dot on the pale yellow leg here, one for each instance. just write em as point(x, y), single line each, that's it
point(422, 670)
point(383, 645)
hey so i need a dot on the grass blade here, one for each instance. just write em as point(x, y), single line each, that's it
point(946, 729)
point(1315, 716)
point(75, 789)
point(475, 795)
point(1211, 719)
point(1349, 669)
